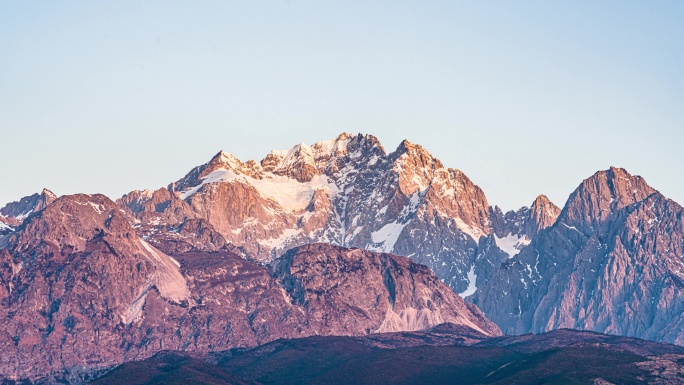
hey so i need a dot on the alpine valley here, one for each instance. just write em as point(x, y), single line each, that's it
point(344, 250)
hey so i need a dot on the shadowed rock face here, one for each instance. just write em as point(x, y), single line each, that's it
point(7, 225)
point(441, 355)
point(526, 221)
point(14, 213)
point(611, 263)
point(28, 205)
point(80, 291)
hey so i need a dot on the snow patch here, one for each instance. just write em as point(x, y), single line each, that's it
point(166, 278)
point(287, 192)
point(571, 227)
point(97, 207)
point(287, 235)
point(472, 280)
point(473, 232)
point(24, 215)
point(388, 236)
point(511, 244)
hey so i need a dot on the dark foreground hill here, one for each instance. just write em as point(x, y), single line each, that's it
point(443, 355)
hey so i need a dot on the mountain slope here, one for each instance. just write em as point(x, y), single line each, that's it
point(80, 291)
point(405, 295)
point(611, 263)
point(348, 192)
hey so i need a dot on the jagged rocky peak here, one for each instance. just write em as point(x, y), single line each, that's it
point(416, 168)
point(70, 221)
point(48, 195)
point(160, 201)
point(137, 200)
point(169, 223)
point(448, 191)
point(601, 195)
point(611, 263)
point(544, 208)
point(346, 191)
point(303, 162)
point(83, 223)
point(527, 221)
point(515, 229)
point(543, 213)
point(14, 213)
point(27, 205)
point(227, 161)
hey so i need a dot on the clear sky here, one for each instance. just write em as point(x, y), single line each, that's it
point(524, 97)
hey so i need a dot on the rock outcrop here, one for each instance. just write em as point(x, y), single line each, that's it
point(404, 295)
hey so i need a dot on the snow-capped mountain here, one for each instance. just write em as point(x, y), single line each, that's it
point(347, 191)
point(238, 253)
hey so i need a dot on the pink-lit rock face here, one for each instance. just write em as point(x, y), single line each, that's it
point(81, 291)
point(347, 192)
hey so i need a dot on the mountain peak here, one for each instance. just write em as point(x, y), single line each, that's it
point(407, 146)
point(302, 162)
point(345, 136)
point(619, 184)
point(28, 205)
point(543, 213)
point(227, 161)
point(599, 196)
point(617, 170)
point(541, 200)
point(225, 158)
point(48, 194)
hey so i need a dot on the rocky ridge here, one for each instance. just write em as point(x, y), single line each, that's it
point(14, 213)
point(81, 291)
point(349, 192)
point(611, 263)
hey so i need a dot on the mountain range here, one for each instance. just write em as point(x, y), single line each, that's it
point(337, 238)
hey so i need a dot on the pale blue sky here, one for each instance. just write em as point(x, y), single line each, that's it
point(524, 97)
